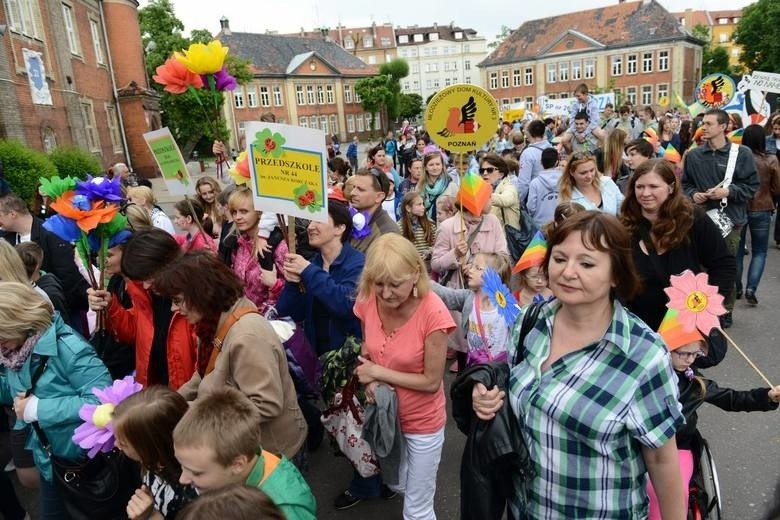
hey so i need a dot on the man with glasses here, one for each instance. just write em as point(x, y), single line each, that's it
point(703, 177)
point(370, 188)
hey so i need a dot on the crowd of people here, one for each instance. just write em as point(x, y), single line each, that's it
point(221, 323)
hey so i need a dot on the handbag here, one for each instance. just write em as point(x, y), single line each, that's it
point(93, 488)
point(718, 215)
point(344, 421)
point(518, 239)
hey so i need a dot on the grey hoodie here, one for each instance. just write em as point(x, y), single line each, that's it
point(543, 196)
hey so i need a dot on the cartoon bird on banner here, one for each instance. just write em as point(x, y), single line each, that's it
point(460, 121)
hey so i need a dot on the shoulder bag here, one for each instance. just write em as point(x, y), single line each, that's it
point(518, 239)
point(219, 337)
point(90, 488)
point(718, 215)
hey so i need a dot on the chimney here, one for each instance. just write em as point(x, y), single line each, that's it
point(225, 25)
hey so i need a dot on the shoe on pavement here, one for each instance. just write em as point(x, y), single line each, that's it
point(739, 295)
point(387, 493)
point(345, 501)
point(727, 320)
point(750, 296)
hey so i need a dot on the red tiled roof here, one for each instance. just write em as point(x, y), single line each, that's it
point(614, 26)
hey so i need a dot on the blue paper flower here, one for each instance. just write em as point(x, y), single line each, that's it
point(360, 223)
point(100, 188)
point(500, 296)
point(118, 238)
point(63, 227)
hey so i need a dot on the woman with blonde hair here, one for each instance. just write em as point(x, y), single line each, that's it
point(12, 269)
point(207, 190)
point(137, 217)
point(405, 341)
point(34, 341)
point(144, 197)
point(581, 182)
point(612, 159)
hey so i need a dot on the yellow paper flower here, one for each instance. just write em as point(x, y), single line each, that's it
point(203, 59)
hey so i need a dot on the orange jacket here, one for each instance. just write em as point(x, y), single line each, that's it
point(136, 326)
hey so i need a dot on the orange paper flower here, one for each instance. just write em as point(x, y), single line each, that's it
point(698, 304)
point(86, 215)
point(176, 77)
point(240, 169)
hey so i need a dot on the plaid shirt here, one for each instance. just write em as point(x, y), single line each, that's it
point(585, 418)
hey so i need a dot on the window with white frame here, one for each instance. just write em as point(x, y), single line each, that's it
point(663, 60)
point(367, 117)
point(320, 95)
point(349, 43)
point(529, 76)
point(446, 51)
point(458, 35)
point(324, 124)
point(434, 67)
point(418, 38)
point(617, 65)
point(553, 96)
point(590, 68)
point(434, 51)
point(70, 29)
point(631, 62)
point(516, 78)
point(97, 44)
point(647, 94)
point(403, 38)
point(576, 70)
point(368, 41)
point(517, 100)
point(251, 97)
point(24, 16)
point(563, 71)
point(504, 79)
point(406, 86)
point(662, 91)
point(467, 65)
point(416, 84)
point(377, 122)
point(350, 123)
point(314, 122)
point(334, 126)
point(723, 37)
point(330, 97)
point(493, 84)
point(529, 103)
point(300, 98)
point(359, 120)
point(402, 53)
point(113, 128)
point(238, 98)
point(265, 97)
point(433, 36)
point(347, 93)
point(357, 97)
point(385, 41)
point(311, 98)
point(413, 52)
point(435, 82)
point(504, 101)
point(647, 62)
point(467, 80)
point(303, 122)
point(90, 127)
point(277, 91)
point(631, 95)
point(415, 68)
point(552, 73)
point(371, 59)
point(446, 82)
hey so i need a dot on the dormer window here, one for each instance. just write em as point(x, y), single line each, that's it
point(433, 37)
point(458, 35)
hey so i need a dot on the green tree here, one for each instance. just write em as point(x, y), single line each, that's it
point(23, 167)
point(714, 58)
point(503, 35)
point(756, 33)
point(410, 105)
point(161, 33)
point(75, 162)
point(374, 94)
point(395, 71)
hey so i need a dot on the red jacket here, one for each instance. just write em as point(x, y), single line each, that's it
point(136, 326)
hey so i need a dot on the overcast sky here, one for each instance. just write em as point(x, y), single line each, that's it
point(290, 15)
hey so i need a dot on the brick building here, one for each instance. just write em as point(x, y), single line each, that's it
point(309, 82)
point(721, 25)
point(374, 44)
point(72, 73)
point(637, 49)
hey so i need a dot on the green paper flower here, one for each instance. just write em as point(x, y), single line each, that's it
point(56, 186)
point(270, 143)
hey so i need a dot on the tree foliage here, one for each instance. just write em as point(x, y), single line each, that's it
point(714, 58)
point(503, 35)
point(374, 94)
point(75, 162)
point(395, 71)
point(23, 167)
point(410, 105)
point(756, 33)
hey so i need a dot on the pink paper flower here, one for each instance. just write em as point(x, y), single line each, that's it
point(697, 303)
point(97, 433)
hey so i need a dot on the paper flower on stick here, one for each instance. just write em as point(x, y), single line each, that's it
point(697, 303)
point(474, 193)
point(97, 433)
point(87, 214)
point(202, 58)
point(651, 137)
point(55, 186)
point(500, 296)
point(176, 78)
point(360, 223)
point(222, 80)
point(240, 169)
point(101, 188)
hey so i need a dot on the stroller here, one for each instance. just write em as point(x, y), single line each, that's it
point(704, 488)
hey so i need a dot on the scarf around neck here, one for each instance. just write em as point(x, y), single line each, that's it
point(431, 193)
point(14, 359)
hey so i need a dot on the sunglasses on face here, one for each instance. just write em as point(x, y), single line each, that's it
point(489, 169)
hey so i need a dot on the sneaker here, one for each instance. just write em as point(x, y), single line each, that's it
point(750, 296)
point(345, 501)
point(387, 493)
point(10, 466)
point(727, 320)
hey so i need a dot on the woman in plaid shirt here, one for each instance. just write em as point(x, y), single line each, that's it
point(595, 393)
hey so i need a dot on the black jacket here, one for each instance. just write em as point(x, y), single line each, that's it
point(495, 452)
point(692, 397)
point(53, 289)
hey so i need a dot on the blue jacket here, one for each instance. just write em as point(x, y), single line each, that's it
point(335, 290)
point(64, 386)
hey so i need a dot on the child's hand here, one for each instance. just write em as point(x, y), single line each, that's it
point(261, 244)
point(268, 278)
point(141, 504)
point(774, 394)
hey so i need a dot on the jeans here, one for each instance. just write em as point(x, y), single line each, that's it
point(732, 244)
point(759, 223)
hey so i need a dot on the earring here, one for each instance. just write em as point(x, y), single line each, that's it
point(414, 291)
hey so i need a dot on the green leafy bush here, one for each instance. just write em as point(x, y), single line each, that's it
point(23, 166)
point(75, 162)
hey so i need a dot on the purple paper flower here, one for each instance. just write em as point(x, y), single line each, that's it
point(97, 433)
point(689, 373)
point(63, 227)
point(100, 188)
point(360, 223)
point(222, 80)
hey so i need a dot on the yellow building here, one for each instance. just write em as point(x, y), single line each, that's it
point(721, 24)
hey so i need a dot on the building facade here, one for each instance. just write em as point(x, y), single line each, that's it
point(721, 25)
point(440, 56)
point(72, 74)
point(638, 50)
point(308, 82)
point(374, 44)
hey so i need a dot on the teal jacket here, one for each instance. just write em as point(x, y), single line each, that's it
point(64, 386)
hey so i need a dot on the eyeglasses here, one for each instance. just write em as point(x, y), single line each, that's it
point(688, 355)
point(476, 267)
point(489, 169)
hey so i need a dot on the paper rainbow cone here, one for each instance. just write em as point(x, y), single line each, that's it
point(474, 193)
point(735, 136)
point(674, 334)
point(649, 134)
point(671, 154)
point(533, 254)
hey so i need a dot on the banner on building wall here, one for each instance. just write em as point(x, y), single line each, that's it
point(170, 161)
point(560, 107)
point(36, 75)
point(287, 165)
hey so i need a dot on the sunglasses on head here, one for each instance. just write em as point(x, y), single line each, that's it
point(581, 155)
point(384, 182)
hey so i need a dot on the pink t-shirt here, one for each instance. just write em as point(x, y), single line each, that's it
point(404, 351)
